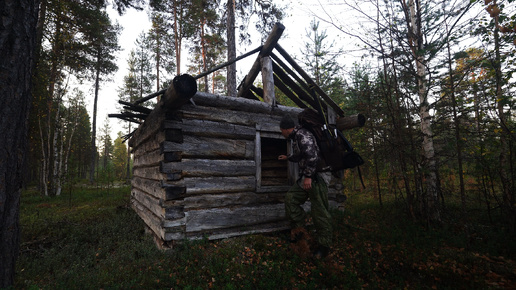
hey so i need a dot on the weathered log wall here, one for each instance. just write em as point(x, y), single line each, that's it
point(196, 176)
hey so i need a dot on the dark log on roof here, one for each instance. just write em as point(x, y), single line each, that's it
point(302, 94)
point(290, 72)
point(148, 97)
point(309, 80)
point(136, 108)
point(124, 117)
point(128, 115)
point(257, 91)
point(228, 62)
point(282, 87)
point(153, 95)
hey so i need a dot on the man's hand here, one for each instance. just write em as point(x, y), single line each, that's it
point(282, 157)
point(307, 183)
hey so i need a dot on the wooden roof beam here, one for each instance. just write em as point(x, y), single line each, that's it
point(285, 78)
point(267, 48)
point(309, 80)
point(282, 87)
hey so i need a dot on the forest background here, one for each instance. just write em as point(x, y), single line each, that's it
point(434, 79)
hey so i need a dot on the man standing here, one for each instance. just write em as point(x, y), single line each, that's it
point(309, 185)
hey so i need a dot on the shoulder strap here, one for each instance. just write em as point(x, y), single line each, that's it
point(360, 175)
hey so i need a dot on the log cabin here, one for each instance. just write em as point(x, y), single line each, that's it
point(206, 166)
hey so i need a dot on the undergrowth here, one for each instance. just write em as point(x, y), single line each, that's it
point(92, 240)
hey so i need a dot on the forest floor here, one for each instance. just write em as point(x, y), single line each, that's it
point(91, 239)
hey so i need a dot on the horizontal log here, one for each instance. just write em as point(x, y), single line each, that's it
point(205, 201)
point(151, 220)
point(149, 172)
point(211, 129)
point(242, 105)
point(210, 167)
point(211, 185)
point(150, 202)
point(175, 236)
point(128, 115)
point(174, 135)
point(239, 231)
point(149, 145)
point(182, 89)
point(202, 220)
point(202, 147)
point(174, 192)
point(152, 158)
point(262, 121)
point(152, 187)
point(147, 130)
point(273, 189)
point(350, 122)
point(177, 224)
point(172, 156)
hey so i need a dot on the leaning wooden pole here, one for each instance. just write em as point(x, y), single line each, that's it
point(309, 80)
point(182, 89)
point(267, 48)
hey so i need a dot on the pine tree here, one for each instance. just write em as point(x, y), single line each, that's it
point(159, 45)
point(268, 14)
point(320, 58)
point(103, 45)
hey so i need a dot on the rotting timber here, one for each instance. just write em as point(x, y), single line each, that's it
point(206, 165)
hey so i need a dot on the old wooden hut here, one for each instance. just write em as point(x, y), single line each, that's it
point(205, 166)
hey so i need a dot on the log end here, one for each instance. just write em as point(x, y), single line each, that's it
point(182, 89)
point(185, 85)
point(361, 119)
point(350, 122)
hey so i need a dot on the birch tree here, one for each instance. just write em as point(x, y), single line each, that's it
point(418, 34)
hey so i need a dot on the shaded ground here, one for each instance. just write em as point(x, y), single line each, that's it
point(93, 240)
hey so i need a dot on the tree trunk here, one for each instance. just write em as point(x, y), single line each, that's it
point(416, 42)
point(69, 147)
point(231, 70)
point(44, 161)
point(17, 46)
point(177, 36)
point(508, 196)
point(56, 182)
point(204, 56)
point(128, 165)
point(458, 138)
point(94, 122)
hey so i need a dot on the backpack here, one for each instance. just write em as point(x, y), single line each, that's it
point(337, 154)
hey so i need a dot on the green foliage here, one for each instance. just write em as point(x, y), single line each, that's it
point(92, 240)
point(320, 60)
point(120, 158)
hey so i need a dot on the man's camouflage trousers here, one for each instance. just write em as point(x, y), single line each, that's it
point(318, 194)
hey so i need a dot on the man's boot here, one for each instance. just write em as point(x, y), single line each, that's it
point(321, 252)
point(300, 241)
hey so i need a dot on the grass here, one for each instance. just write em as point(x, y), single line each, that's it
point(93, 240)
